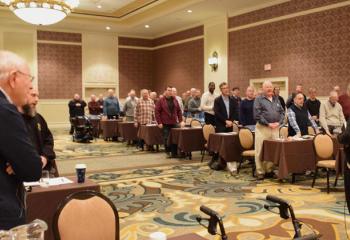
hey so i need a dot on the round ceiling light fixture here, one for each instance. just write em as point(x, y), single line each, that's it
point(41, 12)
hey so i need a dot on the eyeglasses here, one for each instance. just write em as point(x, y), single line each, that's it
point(27, 75)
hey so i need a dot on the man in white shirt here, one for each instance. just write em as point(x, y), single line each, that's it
point(179, 99)
point(207, 104)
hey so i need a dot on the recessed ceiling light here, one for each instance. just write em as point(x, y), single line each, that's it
point(189, 11)
point(99, 6)
point(146, 26)
point(108, 28)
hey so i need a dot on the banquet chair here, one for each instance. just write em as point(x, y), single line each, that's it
point(195, 123)
point(207, 130)
point(284, 132)
point(246, 139)
point(323, 145)
point(87, 215)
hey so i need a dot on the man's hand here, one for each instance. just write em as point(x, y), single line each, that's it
point(104, 118)
point(298, 135)
point(228, 123)
point(274, 125)
point(160, 126)
point(182, 124)
point(317, 131)
point(44, 161)
point(136, 124)
point(9, 169)
point(314, 118)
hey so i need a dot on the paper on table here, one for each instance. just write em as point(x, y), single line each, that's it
point(51, 182)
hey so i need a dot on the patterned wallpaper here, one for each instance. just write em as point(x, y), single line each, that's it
point(313, 50)
point(135, 70)
point(181, 66)
point(282, 9)
point(59, 36)
point(59, 66)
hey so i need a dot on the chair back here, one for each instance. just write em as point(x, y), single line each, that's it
point(311, 130)
point(284, 132)
point(246, 138)
point(207, 130)
point(196, 123)
point(188, 121)
point(323, 145)
point(87, 215)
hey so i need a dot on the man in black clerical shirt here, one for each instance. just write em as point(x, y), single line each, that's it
point(313, 105)
point(39, 132)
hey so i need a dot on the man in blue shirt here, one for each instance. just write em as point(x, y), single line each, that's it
point(111, 107)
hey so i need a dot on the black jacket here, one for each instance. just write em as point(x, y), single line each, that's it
point(344, 138)
point(221, 113)
point(74, 110)
point(15, 149)
point(41, 137)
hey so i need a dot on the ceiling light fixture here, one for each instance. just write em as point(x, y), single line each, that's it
point(99, 6)
point(108, 28)
point(41, 12)
point(146, 26)
point(189, 11)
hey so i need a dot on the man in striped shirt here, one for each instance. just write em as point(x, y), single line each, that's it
point(144, 111)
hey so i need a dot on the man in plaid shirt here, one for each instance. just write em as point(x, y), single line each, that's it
point(144, 111)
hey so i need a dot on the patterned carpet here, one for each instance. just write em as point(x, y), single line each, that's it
point(66, 149)
point(167, 199)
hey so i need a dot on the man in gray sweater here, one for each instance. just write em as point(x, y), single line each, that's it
point(129, 106)
point(194, 105)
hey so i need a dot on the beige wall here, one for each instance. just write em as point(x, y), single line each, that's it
point(100, 61)
point(215, 39)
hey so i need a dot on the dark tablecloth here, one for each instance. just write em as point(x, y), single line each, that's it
point(152, 135)
point(127, 131)
point(187, 139)
point(96, 130)
point(226, 145)
point(293, 156)
point(109, 128)
point(42, 203)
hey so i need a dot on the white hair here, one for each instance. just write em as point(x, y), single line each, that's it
point(9, 61)
point(267, 83)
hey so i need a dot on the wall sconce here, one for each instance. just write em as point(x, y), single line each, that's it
point(214, 61)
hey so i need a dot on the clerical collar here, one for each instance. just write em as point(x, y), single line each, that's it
point(6, 95)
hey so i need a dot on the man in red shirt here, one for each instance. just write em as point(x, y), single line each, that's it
point(168, 116)
point(344, 101)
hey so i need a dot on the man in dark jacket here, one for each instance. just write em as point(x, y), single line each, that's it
point(225, 110)
point(39, 133)
point(76, 109)
point(19, 161)
point(168, 115)
point(344, 138)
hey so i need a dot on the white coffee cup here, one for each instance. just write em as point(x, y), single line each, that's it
point(157, 236)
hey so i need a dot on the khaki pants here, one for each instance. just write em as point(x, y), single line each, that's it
point(261, 133)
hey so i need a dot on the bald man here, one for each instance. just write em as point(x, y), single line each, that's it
point(269, 115)
point(19, 161)
point(76, 109)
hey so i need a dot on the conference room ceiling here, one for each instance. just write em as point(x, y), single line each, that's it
point(129, 17)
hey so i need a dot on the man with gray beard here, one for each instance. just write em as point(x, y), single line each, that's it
point(39, 133)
